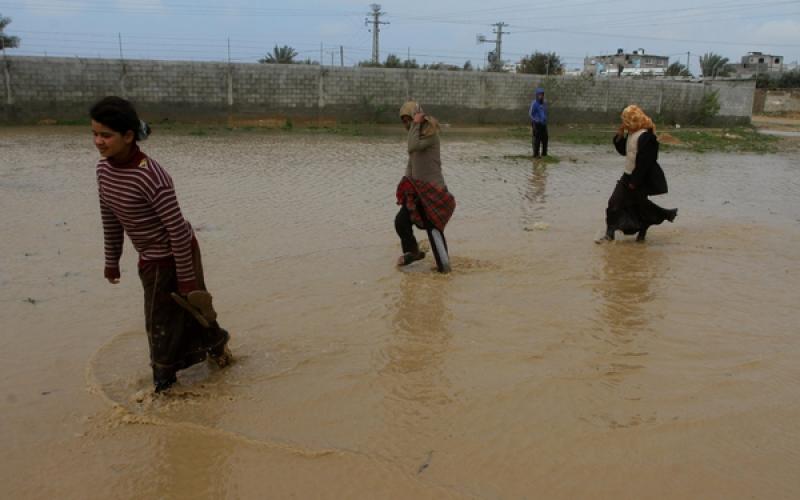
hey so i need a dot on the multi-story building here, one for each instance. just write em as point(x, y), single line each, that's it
point(626, 64)
point(755, 63)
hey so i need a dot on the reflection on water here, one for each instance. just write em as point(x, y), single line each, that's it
point(418, 345)
point(629, 282)
point(535, 193)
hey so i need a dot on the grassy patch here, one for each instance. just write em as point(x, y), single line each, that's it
point(698, 140)
point(546, 160)
point(352, 130)
point(585, 135)
point(726, 140)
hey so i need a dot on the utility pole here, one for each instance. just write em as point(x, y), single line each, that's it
point(496, 56)
point(688, 62)
point(376, 29)
point(341, 55)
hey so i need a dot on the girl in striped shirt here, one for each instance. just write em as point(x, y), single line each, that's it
point(137, 197)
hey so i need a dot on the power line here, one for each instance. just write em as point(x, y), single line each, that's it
point(376, 29)
point(496, 56)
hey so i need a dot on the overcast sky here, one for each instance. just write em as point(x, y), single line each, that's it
point(431, 31)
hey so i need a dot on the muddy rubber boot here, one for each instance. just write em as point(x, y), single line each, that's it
point(199, 303)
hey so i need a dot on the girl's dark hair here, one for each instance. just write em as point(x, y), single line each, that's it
point(120, 116)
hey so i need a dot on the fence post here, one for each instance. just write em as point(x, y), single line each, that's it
point(122, 90)
point(230, 76)
point(7, 74)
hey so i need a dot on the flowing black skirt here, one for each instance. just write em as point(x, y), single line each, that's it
point(630, 211)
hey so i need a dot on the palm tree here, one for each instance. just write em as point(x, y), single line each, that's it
point(713, 65)
point(7, 42)
point(677, 69)
point(280, 55)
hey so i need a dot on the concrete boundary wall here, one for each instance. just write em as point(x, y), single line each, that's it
point(777, 101)
point(36, 88)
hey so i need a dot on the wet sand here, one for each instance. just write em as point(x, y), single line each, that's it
point(543, 366)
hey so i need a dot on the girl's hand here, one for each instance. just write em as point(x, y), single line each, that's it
point(419, 118)
point(621, 131)
point(111, 274)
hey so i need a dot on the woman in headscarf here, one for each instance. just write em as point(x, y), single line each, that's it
point(629, 210)
point(422, 193)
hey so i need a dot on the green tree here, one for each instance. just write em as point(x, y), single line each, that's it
point(280, 55)
point(441, 66)
point(467, 66)
point(785, 80)
point(7, 42)
point(392, 61)
point(677, 69)
point(789, 79)
point(713, 65)
point(541, 63)
point(410, 64)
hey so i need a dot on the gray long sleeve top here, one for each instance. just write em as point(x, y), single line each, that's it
point(424, 160)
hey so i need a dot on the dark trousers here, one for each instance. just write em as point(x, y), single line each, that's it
point(539, 139)
point(176, 339)
point(405, 230)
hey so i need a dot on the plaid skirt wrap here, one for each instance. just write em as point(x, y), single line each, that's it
point(436, 202)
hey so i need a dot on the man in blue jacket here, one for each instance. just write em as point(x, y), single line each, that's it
point(538, 116)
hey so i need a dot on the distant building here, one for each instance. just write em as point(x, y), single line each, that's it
point(626, 64)
point(755, 63)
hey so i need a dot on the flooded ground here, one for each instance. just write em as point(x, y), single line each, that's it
point(543, 366)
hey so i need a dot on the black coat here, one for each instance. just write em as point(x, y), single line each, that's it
point(648, 175)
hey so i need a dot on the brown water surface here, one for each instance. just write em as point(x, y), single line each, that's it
point(543, 366)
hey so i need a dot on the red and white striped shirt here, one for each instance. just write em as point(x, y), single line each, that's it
point(139, 198)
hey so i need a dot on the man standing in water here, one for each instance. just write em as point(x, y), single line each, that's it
point(538, 116)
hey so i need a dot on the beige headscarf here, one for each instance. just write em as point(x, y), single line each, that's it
point(429, 127)
point(634, 119)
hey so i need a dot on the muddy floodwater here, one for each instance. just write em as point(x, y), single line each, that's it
point(543, 366)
